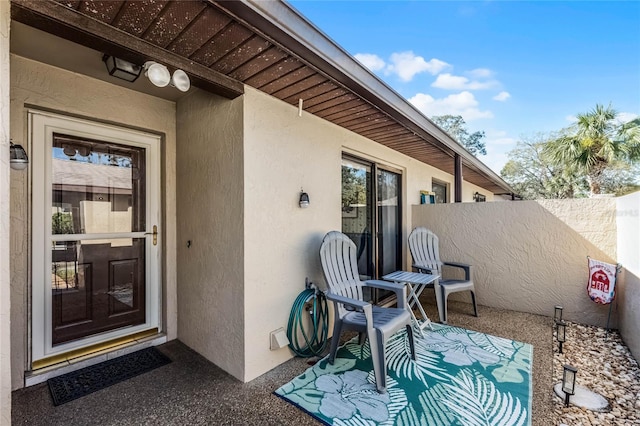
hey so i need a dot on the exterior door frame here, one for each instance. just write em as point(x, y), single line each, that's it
point(42, 125)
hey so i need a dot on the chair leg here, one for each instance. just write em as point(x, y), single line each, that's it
point(412, 344)
point(475, 305)
point(445, 296)
point(335, 340)
point(377, 357)
point(361, 338)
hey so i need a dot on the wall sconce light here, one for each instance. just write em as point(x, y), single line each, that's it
point(304, 200)
point(160, 76)
point(122, 69)
point(479, 198)
point(557, 313)
point(18, 157)
point(562, 333)
point(568, 382)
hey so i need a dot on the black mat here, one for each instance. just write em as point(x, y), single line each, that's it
point(82, 382)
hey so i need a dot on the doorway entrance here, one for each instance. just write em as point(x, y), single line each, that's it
point(371, 217)
point(95, 233)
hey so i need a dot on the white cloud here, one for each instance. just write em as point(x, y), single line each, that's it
point(371, 61)
point(463, 103)
point(455, 82)
point(502, 96)
point(480, 73)
point(406, 65)
point(625, 117)
point(571, 118)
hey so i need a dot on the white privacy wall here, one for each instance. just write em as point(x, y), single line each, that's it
point(528, 256)
point(628, 217)
point(5, 273)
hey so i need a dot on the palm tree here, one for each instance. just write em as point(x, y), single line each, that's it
point(595, 142)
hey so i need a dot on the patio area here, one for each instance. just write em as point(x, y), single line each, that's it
point(191, 390)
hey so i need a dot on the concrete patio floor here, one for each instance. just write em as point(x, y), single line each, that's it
point(193, 391)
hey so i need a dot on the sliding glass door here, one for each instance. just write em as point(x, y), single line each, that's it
point(371, 217)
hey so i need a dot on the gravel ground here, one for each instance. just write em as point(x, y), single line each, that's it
point(605, 366)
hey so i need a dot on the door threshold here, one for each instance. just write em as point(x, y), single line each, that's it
point(58, 365)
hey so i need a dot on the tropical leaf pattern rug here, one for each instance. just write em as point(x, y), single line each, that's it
point(460, 377)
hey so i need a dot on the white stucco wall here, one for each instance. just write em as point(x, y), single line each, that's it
point(210, 215)
point(5, 272)
point(528, 256)
point(628, 218)
point(284, 153)
point(40, 85)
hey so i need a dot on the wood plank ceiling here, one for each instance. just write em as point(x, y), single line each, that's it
point(205, 34)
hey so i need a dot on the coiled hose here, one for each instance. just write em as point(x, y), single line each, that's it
point(313, 301)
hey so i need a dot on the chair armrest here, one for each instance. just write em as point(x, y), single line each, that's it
point(422, 269)
point(354, 303)
point(464, 266)
point(358, 305)
point(399, 289)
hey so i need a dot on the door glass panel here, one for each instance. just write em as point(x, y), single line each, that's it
point(371, 218)
point(357, 214)
point(98, 187)
point(389, 250)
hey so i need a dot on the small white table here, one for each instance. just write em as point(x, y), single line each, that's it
point(416, 282)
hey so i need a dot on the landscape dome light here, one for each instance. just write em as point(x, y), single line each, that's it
point(180, 80)
point(157, 73)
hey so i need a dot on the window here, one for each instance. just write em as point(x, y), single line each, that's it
point(441, 189)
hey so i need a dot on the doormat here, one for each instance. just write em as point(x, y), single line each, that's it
point(90, 379)
point(460, 377)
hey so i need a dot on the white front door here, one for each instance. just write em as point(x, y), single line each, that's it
point(96, 216)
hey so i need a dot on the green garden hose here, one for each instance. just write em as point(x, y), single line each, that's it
point(311, 302)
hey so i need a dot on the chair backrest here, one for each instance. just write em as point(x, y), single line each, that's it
point(338, 255)
point(423, 245)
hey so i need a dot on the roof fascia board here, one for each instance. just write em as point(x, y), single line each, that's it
point(72, 25)
point(281, 23)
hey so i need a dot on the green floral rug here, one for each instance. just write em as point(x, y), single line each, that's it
point(460, 377)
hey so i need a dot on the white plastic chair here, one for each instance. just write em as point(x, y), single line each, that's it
point(423, 245)
point(352, 312)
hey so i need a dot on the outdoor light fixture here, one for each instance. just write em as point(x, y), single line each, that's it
point(18, 157)
point(568, 382)
point(562, 333)
point(122, 69)
point(160, 76)
point(557, 313)
point(304, 199)
point(157, 73)
point(180, 80)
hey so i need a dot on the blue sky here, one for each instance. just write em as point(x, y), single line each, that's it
point(510, 68)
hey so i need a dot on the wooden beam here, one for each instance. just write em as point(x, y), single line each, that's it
point(72, 25)
point(457, 178)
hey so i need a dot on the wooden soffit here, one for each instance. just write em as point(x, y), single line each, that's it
point(268, 45)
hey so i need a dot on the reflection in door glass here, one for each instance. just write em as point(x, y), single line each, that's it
point(357, 220)
point(97, 187)
point(390, 255)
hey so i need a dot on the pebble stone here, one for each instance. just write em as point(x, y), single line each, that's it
point(605, 366)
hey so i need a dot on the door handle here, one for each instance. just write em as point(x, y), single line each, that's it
point(154, 233)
